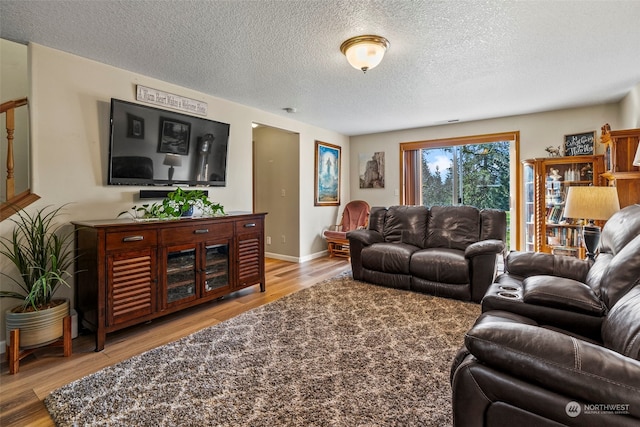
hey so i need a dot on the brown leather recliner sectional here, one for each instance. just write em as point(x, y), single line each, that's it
point(567, 292)
point(448, 251)
point(558, 342)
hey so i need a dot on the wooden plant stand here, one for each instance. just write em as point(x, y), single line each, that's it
point(15, 355)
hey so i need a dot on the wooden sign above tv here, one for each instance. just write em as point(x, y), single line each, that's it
point(579, 144)
point(166, 99)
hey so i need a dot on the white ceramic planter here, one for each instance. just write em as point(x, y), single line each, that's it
point(38, 328)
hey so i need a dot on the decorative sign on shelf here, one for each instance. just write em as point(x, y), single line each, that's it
point(579, 144)
point(166, 99)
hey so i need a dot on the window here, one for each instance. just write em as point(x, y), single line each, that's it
point(469, 174)
point(481, 171)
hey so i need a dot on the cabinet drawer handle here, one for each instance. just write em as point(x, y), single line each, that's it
point(201, 231)
point(133, 239)
point(251, 224)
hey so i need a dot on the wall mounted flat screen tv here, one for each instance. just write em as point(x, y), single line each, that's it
point(150, 146)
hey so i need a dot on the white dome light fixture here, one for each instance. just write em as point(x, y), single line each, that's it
point(364, 52)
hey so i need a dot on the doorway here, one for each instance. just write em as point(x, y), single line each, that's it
point(276, 189)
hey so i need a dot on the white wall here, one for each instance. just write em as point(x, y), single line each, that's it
point(630, 110)
point(69, 105)
point(537, 131)
point(314, 219)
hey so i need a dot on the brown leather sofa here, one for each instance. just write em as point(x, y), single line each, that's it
point(558, 342)
point(513, 371)
point(567, 292)
point(448, 251)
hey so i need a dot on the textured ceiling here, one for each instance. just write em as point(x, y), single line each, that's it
point(448, 60)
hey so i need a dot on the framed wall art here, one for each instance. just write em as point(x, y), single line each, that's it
point(174, 137)
point(371, 169)
point(579, 144)
point(135, 126)
point(327, 174)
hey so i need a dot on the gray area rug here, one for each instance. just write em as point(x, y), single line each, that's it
point(340, 353)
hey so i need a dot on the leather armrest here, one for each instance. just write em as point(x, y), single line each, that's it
point(366, 237)
point(358, 240)
point(490, 246)
point(558, 362)
point(559, 292)
point(526, 264)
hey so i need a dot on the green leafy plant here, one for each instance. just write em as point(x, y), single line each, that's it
point(176, 204)
point(41, 253)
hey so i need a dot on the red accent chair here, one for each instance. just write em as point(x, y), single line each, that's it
point(355, 216)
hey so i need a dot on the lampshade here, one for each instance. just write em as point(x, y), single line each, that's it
point(364, 52)
point(591, 203)
point(172, 160)
point(636, 159)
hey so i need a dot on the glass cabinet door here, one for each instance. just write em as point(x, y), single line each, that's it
point(216, 268)
point(545, 185)
point(181, 275)
point(529, 208)
point(562, 235)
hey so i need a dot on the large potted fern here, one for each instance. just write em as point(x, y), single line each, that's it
point(42, 254)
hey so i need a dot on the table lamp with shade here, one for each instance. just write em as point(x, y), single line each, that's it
point(592, 203)
point(636, 159)
point(173, 161)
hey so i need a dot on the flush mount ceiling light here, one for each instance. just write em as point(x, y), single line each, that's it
point(364, 52)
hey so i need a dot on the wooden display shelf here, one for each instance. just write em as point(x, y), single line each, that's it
point(545, 195)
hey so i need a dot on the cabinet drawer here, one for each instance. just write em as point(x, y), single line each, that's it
point(248, 226)
point(196, 233)
point(131, 239)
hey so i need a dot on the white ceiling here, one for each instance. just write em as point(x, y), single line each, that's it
point(448, 60)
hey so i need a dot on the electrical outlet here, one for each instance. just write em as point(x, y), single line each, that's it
point(283, 193)
point(284, 239)
point(268, 240)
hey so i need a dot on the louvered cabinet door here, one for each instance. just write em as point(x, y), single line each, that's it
point(250, 253)
point(132, 285)
point(129, 272)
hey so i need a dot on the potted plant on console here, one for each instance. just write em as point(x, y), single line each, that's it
point(178, 203)
point(42, 254)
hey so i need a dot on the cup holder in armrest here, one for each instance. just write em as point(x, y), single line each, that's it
point(509, 295)
point(508, 288)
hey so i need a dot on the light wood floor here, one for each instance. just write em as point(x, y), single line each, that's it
point(21, 394)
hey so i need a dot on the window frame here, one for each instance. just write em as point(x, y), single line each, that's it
point(410, 169)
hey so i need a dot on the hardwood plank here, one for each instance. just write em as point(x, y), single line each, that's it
point(25, 408)
point(44, 371)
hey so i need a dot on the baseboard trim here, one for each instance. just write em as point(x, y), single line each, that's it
point(314, 256)
point(290, 258)
point(281, 257)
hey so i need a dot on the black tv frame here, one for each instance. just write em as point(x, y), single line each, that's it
point(144, 143)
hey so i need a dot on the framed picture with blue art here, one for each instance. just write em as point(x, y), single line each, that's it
point(327, 174)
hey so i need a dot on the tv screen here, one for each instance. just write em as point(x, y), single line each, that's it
point(150, 146)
